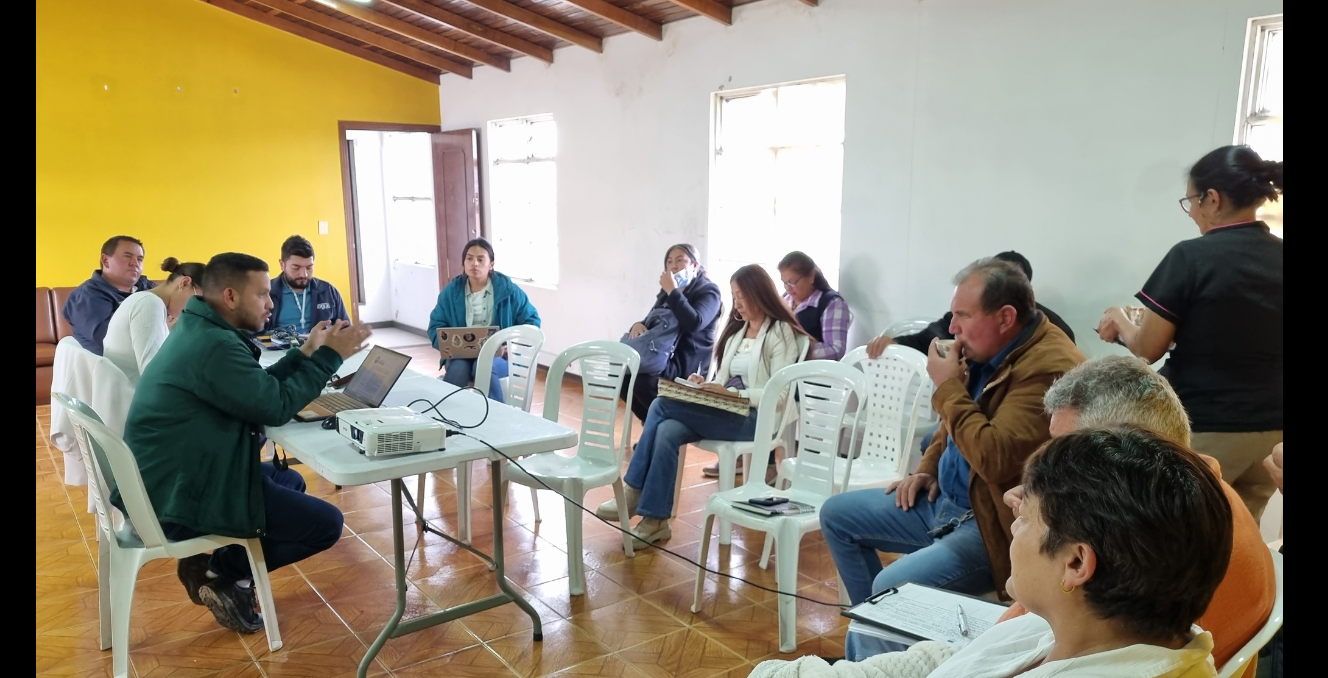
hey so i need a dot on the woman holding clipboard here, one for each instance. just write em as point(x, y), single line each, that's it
point(759, 339)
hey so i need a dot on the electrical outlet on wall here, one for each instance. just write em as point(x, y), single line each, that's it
point(322, 228)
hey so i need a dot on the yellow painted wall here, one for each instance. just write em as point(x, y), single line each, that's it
point(196, 130)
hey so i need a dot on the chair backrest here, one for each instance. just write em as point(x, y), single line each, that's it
point(603, 366)
point(824, 390)
point(523, 346)
point(125, 470)
point(894, 401)
point(910, 326)
point(1248, 654)
point(804, 345)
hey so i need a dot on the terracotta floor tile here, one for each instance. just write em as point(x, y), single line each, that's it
point(300, 627)
point(716, 599)
point(751, 631)
point(72, 646)
point(607, 666)
point(370, 575)
point(370, 611)
point(626, 624)
point(600, 592)
point(347, 551)
point(682, 654)
point(823, 646)
point(564, 646)
point(649, 571)
point(332, 659)
point(197, 655)
point(475, 662)
point(430, 643)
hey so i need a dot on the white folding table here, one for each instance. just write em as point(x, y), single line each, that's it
point(514, 432)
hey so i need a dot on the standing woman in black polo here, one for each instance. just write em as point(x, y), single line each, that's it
point(1218, 297)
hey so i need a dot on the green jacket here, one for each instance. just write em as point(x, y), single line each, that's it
point(196, 419)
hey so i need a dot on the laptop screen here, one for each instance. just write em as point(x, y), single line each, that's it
point(377, 375)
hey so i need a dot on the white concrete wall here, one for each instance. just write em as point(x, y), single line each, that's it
point(1058, 128)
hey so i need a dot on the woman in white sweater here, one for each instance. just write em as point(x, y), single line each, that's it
point(760, 338)
point(1120, 551)
point(141, 324)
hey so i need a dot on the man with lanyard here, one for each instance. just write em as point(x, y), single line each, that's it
point(989, 390)
point(299, 300)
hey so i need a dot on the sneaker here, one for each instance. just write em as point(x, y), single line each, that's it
point(609, 509)
point(192, 572)
point(712, 471)
point(651, 530)
point(234, 606)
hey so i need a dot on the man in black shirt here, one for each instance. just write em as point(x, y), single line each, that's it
point(941, 328)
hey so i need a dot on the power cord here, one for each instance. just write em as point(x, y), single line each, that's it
point(461, 430)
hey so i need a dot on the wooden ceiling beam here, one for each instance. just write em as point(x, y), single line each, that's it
point(424, 35)
point(366, 36)
point(721, 13)
point(540, 23)
point(479, 30)
point(615, 14)
point(324, 39)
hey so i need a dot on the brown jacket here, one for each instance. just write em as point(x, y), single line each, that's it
point(1000, 431)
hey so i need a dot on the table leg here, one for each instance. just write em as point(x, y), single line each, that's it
point(399, 555)
point(396, 628)
point(495, 479)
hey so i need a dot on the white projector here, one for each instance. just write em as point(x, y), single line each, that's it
point(387, 431)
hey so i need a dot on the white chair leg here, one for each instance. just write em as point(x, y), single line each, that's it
point(419, 507)
point(677, 482)
point(728, 473)
point(263, 587)
point(463, 476)
point(786, 574)
point(104, 591)
point(576, 566)
point(702, 558)
point(843, 592)
point(534, 501)
point(765, 550)
point(620, 495)
point(124, 576)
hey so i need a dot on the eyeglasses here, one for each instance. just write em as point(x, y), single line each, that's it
point(1187, 203)
point(790, 285)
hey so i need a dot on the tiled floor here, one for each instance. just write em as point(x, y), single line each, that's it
point(634, 620)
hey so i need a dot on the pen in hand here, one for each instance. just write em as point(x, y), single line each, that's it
point(963, 621)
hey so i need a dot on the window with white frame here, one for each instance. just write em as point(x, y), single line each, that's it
point(1260, 122)
point(523, 198)
point(776, 177)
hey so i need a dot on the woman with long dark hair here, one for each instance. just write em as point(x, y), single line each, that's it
point(480, 297)
point(677, 335)
point(759, 339)
point(1218, 298)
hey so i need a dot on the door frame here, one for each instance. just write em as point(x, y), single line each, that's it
point(348, 195)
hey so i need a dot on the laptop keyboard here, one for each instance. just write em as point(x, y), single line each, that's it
point(339, 402)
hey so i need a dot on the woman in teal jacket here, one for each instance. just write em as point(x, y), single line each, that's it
point(480, 297)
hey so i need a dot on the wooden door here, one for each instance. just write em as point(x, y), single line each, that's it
point(456, 197)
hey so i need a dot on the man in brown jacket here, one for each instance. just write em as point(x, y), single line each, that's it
point(989, 390)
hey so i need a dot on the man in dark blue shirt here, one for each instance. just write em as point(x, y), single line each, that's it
point(948, 518)
point(91, 305)
point(299, 300)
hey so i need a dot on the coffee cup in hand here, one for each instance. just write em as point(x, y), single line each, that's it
point(943, 347)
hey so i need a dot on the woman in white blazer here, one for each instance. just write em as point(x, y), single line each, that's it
point(760, 338)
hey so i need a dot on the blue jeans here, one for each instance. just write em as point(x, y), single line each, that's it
point(298, 526)
point(670, 424)
point(857, 525)
point(462, 372)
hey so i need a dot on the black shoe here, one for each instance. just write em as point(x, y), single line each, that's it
point(234, 606)
point(192, 572)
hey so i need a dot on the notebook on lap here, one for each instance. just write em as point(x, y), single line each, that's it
point(368, 387)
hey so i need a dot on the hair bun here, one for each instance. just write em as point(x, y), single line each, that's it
point(170, 264)
point(1271, 171)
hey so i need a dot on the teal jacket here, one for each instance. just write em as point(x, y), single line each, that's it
point(511, 306)
point(195, 422)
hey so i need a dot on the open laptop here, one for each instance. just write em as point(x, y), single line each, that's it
point(368, 387)
point(463, 343)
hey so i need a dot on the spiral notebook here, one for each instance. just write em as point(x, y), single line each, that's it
point(691, 393)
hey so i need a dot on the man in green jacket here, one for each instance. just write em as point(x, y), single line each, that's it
point(196, 428)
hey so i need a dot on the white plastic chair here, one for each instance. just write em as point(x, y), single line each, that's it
point(909, 326)
point(729, 451)
point(885, 422)
point(824, 389)
point(523, 346)
point(138, 540)
point(1239, 665)
point(599, 455)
